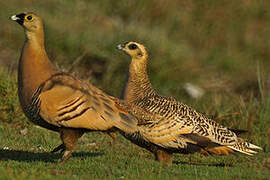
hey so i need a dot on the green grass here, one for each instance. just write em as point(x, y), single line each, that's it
point(221, 46)
point(192, 41)
point(28, 157)
point(24, 148)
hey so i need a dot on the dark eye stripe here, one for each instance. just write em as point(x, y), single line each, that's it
point(21, 18)
point(132, 46)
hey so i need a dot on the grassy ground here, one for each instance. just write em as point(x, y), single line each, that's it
point(24, 151)
point(220, 46)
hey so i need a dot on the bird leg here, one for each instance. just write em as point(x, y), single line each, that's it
point(60, 148)
point(113, 135)
point(69, 138)
point(66, 156)
point(163, 156)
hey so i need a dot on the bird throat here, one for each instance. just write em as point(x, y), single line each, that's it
point(34, 68)
point(138, 85)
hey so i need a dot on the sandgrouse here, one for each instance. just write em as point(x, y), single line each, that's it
point(59, 101)
point(168, 126)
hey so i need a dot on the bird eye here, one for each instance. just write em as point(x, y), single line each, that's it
point(132, 46)
point(29, 18)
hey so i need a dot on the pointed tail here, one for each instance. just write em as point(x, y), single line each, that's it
point(245, 147)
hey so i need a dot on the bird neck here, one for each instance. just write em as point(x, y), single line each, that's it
point(138, 84)
point(34, 66)
point(35, 37)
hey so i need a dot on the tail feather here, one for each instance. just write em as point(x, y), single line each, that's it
point(252, 146)
point(245, 147)
point(238, 131)
point(128, 122)
point(220, 150)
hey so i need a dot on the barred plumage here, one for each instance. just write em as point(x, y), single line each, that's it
point(174, 126)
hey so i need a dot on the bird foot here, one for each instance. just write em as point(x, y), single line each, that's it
point(60, 148)
point(65, 157)
point(164, 157)
point(114, 142)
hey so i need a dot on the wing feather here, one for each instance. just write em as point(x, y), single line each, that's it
point(65, 101)
point(181, 126)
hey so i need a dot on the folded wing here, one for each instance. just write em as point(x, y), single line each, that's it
point(66, 101)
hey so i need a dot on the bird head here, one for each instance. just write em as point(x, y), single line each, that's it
point(133, 49)
point(30, 21)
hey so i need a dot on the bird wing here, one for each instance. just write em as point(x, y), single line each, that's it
point(173, 125)
point(184, 125)
point(166, 133)
point(68, 102)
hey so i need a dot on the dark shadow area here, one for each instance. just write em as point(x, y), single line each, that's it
point(26, 156)
point(203, 164)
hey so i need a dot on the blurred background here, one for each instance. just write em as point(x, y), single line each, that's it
point(213, 55)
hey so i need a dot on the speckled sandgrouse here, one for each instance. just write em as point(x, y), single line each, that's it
point(168, 126)
point(59, 101)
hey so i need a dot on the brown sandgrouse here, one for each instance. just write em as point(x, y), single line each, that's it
point(59, 101)
point(168, 126)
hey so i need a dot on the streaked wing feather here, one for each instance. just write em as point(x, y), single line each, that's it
point(67, 102)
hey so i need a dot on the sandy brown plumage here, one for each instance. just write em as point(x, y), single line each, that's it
point(167, 125)
point(59, 101)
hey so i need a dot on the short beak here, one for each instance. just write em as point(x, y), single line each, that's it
point(120, 46)
point(14, 18)
point(19, 18)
